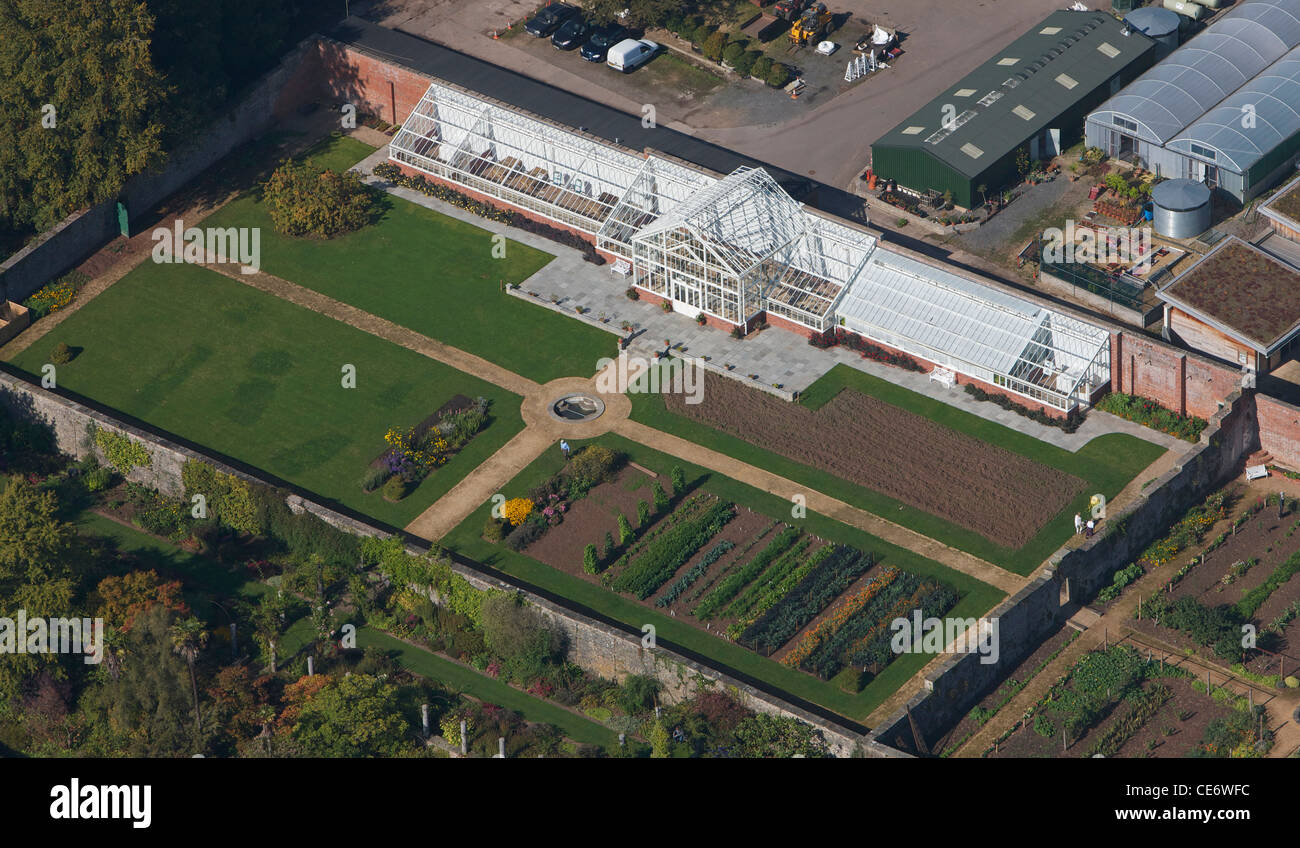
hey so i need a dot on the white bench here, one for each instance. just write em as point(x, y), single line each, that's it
point(1256, 472)
point(622, 267)
point(943, 375)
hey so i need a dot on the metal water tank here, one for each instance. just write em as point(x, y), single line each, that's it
point(1160, 25)
point(1180, 208)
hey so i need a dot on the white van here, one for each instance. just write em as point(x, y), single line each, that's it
point(630, 54)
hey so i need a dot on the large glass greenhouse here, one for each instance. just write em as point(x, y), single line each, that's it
point(738, 247)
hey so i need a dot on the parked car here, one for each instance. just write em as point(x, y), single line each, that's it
point(603, 38)
point(630, 54)
point(549, 19)
point(572, 33)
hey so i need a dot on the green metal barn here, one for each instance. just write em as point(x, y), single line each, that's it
point(1032, 94)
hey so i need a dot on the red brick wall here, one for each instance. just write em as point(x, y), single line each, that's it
point(1184, 382)
point(1279, 430)
point(389, 91)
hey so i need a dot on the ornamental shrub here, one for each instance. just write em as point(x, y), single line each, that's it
point(62, 354)
point(375, 477)
point(517, 510)
point(678, 477)
point(590, 467)
point(642, 514)
point(761, 68)
point(608, 553)
point(396, 488)
point(732, 52)
point(702, 34)
point(744, 63)
point(625, 533)
point(494, 530)
point(323, 204)
point(590, 563)
point(779, 75)
point(660, 497)
point(524, 535)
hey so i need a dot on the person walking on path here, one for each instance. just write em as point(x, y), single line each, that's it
point(564, 447)
point(1078, 523)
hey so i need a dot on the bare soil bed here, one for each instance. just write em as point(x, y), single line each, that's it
point(999, 494)
point(589, 519)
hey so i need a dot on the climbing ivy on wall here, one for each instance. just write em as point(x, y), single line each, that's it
point(121, 451)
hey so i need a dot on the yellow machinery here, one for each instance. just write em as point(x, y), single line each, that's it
point(812, 25)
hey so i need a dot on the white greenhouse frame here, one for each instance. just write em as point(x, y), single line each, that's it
point(736, 246)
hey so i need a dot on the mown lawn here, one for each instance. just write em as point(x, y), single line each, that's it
point(1107, 463)
point(431, 273)
point(977, 598)
point(254, 377)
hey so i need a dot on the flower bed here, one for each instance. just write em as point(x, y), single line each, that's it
point(1148, 413)
point(1068, 424)
point(56, 295)
point(874, 352)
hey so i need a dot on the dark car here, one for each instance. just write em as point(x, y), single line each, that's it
point(549, 19)
point(603, 38)
point(572, 34)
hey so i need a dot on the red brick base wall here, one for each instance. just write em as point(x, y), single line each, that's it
point(787, 324)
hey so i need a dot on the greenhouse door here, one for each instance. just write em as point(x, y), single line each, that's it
point(686, 298)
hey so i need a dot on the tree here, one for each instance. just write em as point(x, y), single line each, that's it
point(779, 75)
point(269, 621)
point(625, 533)
point(189, 637)
point(714, 46)
point(124, 597)
point(141, 707)
point(679, 480)
point(306, 202)
point(89, 62)
point(642, 513)
point(38, 554)
point(608, 552)
point(660, 743)
point(354, 716)
point(519, 635)
point(590, 562)
point(763, 735)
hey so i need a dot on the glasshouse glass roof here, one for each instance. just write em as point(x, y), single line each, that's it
point(743, 219)
point(959, 318)
point(1199, 75)
point(1272, 100)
